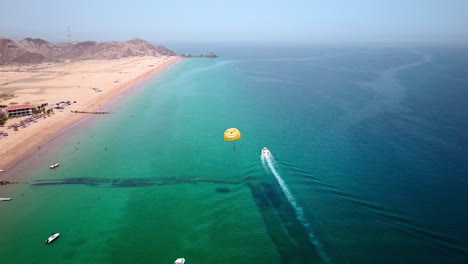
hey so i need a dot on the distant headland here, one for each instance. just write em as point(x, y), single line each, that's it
point(32, 51)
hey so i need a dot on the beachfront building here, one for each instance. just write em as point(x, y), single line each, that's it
point(18, 110)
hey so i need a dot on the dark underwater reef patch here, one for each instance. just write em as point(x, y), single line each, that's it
point(6, 182)
point(223, 190)
point(126, 182)
point(283, 227)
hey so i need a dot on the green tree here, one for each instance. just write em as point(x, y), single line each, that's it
point(37, 110)
point(3, 118)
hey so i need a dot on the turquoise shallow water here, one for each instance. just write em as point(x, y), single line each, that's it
point(369, 164)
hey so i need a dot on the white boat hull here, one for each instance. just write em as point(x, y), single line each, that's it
point(52, 238)
point(265, 153)
point(179, 261)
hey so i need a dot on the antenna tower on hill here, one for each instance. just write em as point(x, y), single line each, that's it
point(69, 34)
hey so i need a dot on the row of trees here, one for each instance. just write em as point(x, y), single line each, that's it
point(41, 109)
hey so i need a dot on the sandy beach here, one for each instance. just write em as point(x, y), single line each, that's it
point(86, 84)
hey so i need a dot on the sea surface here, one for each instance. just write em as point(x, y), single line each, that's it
point(369, 164)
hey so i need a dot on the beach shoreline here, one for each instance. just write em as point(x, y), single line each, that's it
point(19, 146)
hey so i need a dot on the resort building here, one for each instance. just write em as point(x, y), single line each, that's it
point(18, 110)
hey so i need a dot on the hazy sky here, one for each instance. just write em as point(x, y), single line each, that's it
point(270, 21)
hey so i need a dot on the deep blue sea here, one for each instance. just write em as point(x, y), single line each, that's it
point(369, 164)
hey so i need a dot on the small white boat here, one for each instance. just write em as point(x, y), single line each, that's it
point(52, 238)
point(54, 165)
point(6, 199)
point(265, 152)
point(179, 261)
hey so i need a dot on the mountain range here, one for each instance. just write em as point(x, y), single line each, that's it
point(37, 50)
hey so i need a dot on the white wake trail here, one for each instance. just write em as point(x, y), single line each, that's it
point(269, 164)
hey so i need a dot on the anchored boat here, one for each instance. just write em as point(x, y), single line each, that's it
point(179, 261)
point(52, 238)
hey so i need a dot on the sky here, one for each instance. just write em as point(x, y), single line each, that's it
point(238, 21)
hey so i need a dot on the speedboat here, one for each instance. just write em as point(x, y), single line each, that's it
point(6, 199)
point(54, 165)
point(52, 238)
point(179, 261)
point(265, 152)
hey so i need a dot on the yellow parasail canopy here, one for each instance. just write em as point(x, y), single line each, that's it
point(232, 134)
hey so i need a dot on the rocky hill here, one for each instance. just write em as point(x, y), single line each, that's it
point(37, 50)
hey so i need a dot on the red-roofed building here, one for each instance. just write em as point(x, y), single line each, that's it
point(18, 110)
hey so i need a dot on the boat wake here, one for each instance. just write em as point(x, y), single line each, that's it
point(269, 163)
